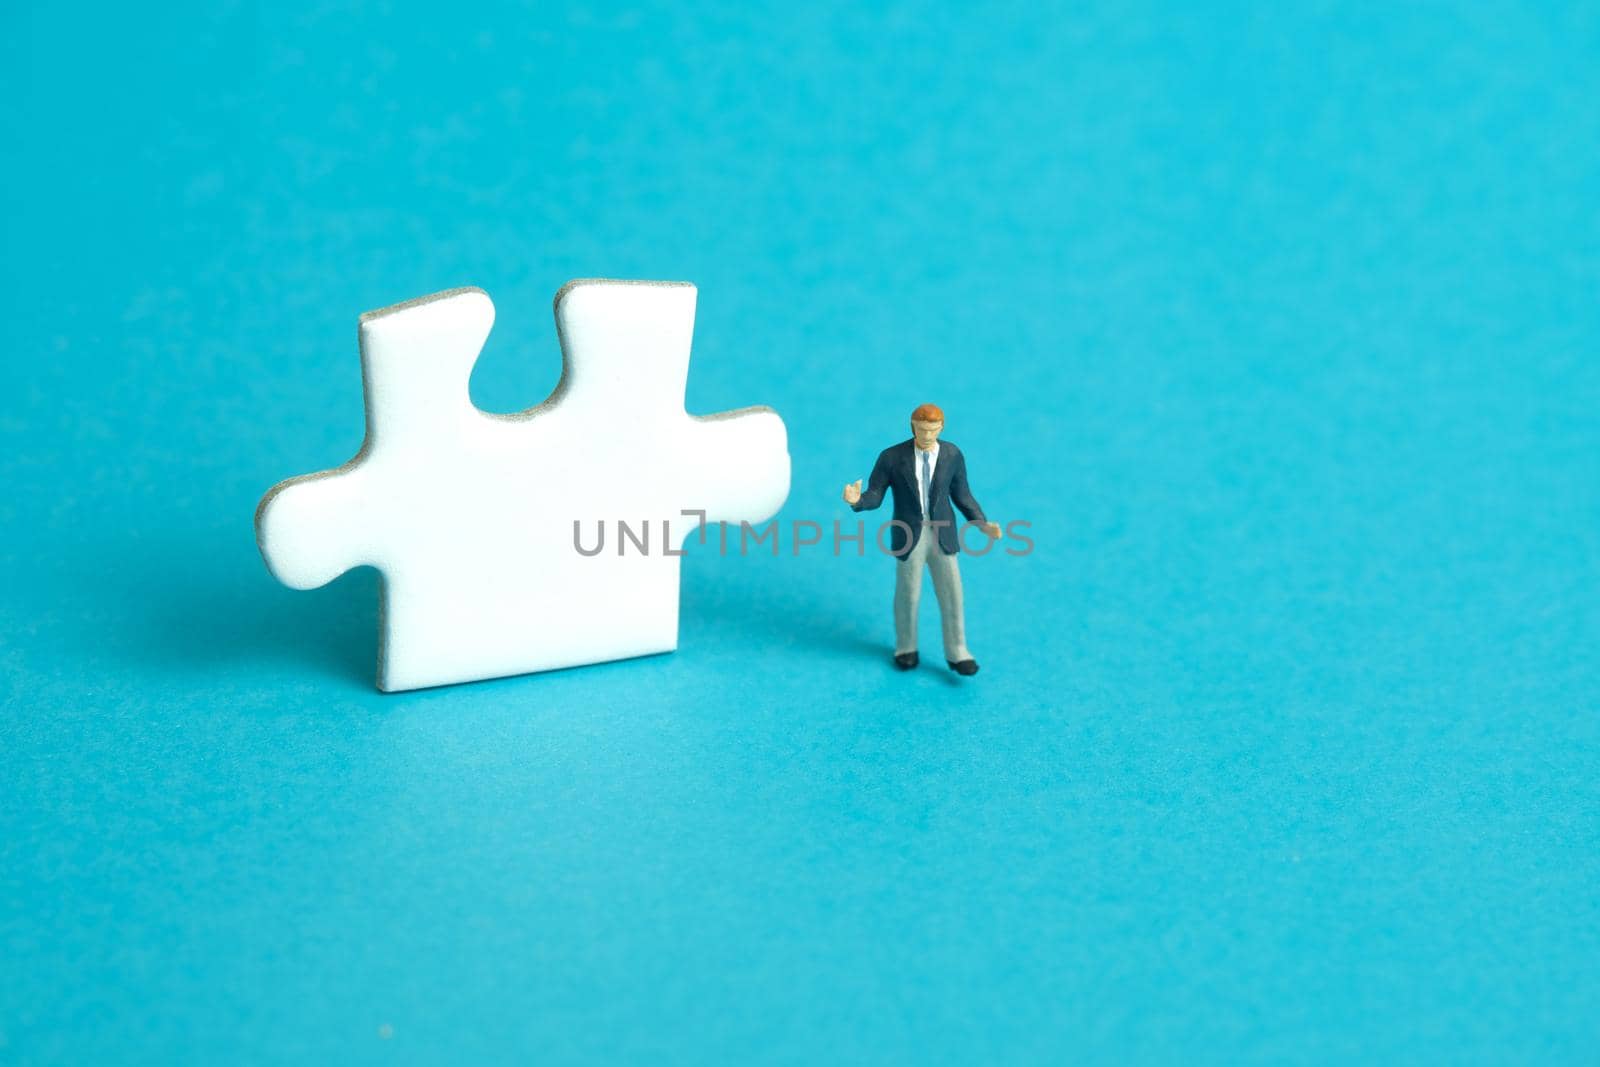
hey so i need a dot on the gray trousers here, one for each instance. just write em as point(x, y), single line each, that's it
point(946, 587)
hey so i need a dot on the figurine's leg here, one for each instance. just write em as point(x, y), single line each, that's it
point(947, 587)
point(907, 594)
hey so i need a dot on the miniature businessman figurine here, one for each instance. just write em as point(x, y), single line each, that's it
point(927, 476)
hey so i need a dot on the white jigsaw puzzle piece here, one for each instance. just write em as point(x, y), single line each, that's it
point(469, 515)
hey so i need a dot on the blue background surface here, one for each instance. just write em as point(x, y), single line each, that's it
point(1278, 322)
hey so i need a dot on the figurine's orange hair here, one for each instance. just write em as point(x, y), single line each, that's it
point(927, 413)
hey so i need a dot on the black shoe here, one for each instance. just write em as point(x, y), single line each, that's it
point(905, 660)
point(967, 667)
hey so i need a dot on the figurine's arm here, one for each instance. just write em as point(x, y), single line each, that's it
point(877, 482)
point(961, 496)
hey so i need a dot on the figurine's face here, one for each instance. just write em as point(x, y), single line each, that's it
point(925, 433)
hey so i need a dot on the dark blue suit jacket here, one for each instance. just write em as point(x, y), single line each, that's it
point(896, 470)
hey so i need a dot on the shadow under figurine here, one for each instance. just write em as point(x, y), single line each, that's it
point(926, 476)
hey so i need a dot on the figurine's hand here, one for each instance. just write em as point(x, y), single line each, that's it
point(990, 528)
point(852, 493)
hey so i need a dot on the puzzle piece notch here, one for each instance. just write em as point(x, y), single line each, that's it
point(469, 515)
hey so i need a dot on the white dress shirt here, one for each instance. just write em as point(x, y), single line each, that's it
point(933, 465)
